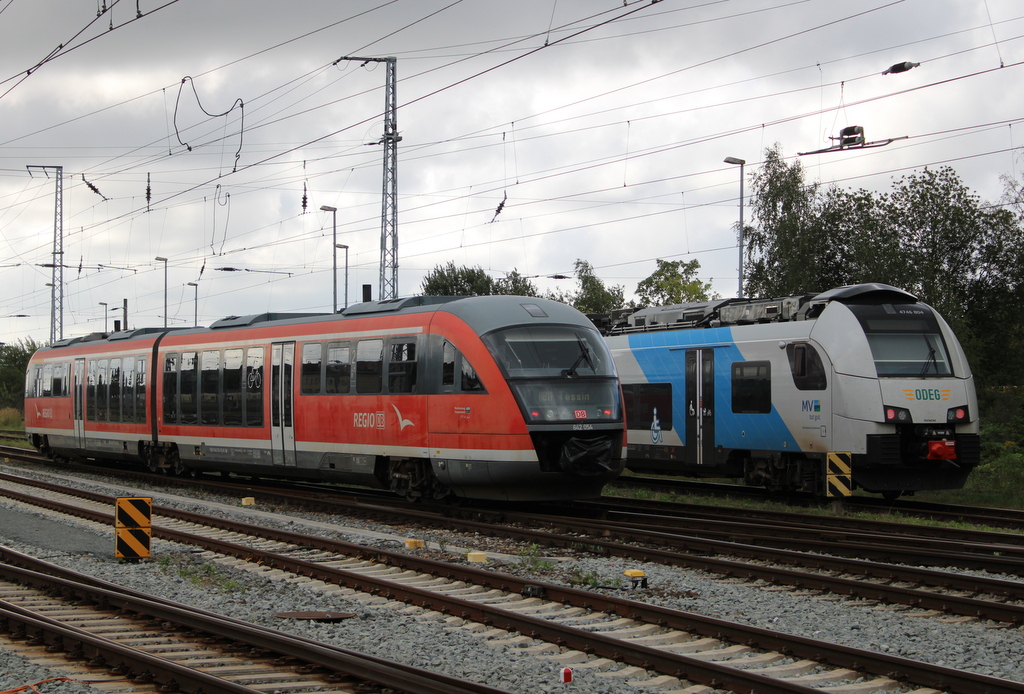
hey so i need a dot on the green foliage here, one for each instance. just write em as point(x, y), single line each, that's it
point(450, 280)
point(514, 284)
point(205, 574)
point(457, 281)
point(674, 282)
point(13, 362)
point(929, 235)
point(529, 559)
point(592, 296)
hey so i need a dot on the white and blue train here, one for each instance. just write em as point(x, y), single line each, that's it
point(766, 390)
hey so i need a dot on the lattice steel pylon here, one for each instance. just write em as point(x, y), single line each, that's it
point(389, 195)
point(57, 283)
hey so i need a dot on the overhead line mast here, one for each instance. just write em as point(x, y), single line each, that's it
point(389, 194)
point(57, 282)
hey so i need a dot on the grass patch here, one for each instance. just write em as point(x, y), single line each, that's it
point(205, 574)
point(530, 559)
point(11, 418)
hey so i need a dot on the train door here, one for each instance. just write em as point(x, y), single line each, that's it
point(282, 431)
point(700, 406)
point(78, 403)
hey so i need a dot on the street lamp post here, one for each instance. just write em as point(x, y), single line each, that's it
point(341, 245)
point(195, 314)
point(741, 162)
point(334, 251)
point(164, 261)
point(104, 305)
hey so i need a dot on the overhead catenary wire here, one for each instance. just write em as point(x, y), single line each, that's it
point(568, 171)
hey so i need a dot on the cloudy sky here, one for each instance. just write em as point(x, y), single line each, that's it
point(193, 129)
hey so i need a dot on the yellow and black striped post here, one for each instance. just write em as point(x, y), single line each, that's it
point(133, 520)
point(839, 478)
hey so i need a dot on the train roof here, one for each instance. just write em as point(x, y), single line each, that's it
point(716, 313)
point(482, 313)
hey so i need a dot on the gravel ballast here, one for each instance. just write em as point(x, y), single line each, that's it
point(403, 634)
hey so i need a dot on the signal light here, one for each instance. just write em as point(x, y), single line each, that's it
point(956, 415)
point(897, 415)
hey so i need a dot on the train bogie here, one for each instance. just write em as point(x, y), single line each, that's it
point(426, 397)
point(765, 390)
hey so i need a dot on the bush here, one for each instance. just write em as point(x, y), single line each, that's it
point(10, 418)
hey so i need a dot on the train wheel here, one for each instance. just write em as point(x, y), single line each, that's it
point(891, 495)
point(177, 467)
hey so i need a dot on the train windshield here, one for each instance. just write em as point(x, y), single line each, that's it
point(905, 340)
point(544, 351)
point(559, 373)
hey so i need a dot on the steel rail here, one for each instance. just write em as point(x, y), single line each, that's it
point(693, 553)
point(612, 507)
point(978, 515)
point(138, 666)
point(694, 669)
point(335, 659)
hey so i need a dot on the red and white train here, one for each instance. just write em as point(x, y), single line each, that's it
point(491, 397)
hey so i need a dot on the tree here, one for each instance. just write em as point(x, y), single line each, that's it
point(13, 362)
point(674, 282)
point(465, 281)
point(784, 246)
point(452, 281)
point(929, 235)
point(514, 284)
point(592, 296)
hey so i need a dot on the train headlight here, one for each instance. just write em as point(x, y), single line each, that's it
point(897, 415)
point(958, 415)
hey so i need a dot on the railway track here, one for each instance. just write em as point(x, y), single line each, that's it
point(143, 640)
point(974, 515)
point(876, 566)
point(582, 625)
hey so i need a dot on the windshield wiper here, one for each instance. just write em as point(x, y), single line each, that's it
point(931, 360)
point(584, 356)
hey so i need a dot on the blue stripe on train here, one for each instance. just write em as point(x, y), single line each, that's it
point(662, 358)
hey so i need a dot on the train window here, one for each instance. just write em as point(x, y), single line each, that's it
point(188, 383)
point(171, 389)
point(338, 372)
point(60, 383)
point(448, 365)
point(402, 367)
point(648, 406)
point(751, 387)
point(234, 372)
point(470, 381)
point(101, 390)
point(369, 362)
point(254, 387)
point(114, 388)
point(127, 389)
point(47, 380)
point(209, 384)
point(30, 381)
point(550, 350)
point(140, 390)
point(806, 366)
point(312, 359)
point(58, 380)
point(90, 394)
point(905, 339)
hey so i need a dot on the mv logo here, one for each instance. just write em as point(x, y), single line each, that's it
point(810, 406)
